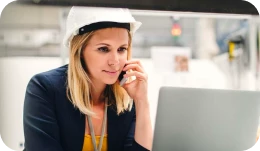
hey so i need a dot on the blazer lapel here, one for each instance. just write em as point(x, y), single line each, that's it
point(112, 129)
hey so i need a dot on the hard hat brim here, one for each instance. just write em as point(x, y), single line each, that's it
point(134, 26)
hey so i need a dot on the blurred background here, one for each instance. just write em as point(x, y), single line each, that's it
point(180, 49)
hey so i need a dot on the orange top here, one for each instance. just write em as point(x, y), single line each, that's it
point(88, 146)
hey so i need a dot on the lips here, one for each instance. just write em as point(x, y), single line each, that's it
point(110, 71)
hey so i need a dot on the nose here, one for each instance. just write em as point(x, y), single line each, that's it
point(113, 59)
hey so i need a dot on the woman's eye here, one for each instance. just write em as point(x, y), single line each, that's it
point(103, 49)
point(122, 49)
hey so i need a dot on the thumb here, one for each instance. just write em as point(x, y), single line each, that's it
point(127, 85)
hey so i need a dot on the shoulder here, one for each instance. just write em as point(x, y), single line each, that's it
point(60, 71)
point(51, 76)
point(49, 80)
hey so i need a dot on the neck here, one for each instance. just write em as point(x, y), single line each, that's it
point(97, 93)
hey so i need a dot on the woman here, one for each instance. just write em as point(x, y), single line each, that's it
point(81, 106)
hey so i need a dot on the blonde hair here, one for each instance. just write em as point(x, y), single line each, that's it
point(79, 83)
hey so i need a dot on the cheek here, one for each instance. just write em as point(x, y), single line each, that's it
point(123, 60)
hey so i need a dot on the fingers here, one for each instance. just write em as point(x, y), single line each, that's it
point(134, 62)
point(138, 75)
point(134, 67)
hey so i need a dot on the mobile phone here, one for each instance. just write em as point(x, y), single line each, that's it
point(121, 78)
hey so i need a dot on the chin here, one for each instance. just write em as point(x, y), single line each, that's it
point(110, 82)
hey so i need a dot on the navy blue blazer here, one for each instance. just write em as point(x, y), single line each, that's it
point(52, 123)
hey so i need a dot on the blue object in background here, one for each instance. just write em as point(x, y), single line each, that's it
point(226, 27)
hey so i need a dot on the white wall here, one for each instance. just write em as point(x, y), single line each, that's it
point(17, 71)
point(15, 74)
point(29, 16)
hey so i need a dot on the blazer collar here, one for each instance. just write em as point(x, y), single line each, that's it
point(113, 129)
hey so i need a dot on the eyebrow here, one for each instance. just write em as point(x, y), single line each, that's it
point(109, 45)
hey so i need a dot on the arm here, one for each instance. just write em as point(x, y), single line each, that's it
point(41, 130)
point(137, 89)
point(143, 130)
point(258, 133)
point(140, 133)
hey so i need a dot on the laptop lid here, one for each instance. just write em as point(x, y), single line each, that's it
point(192, 119)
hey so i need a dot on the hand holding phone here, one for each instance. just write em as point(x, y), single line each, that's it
point(121, 78)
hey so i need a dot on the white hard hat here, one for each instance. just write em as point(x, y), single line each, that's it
point(80, 16)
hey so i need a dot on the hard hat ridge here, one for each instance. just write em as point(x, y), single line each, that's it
point(97, 18)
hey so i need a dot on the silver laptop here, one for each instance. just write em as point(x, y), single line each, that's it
point(190, 119)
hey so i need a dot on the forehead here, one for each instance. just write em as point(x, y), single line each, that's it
point(110, 34)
